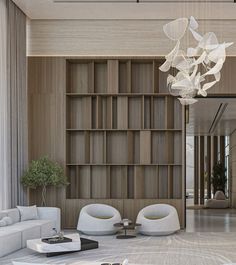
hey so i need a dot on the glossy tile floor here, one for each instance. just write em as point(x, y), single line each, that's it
point(211, 220)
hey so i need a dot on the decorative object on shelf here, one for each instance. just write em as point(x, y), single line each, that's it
point(43, 173)
point(196, 70)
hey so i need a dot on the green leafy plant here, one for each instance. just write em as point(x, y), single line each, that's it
point(43, 173)
point(218, 178)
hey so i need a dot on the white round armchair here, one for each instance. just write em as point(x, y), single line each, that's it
point(158, 219)
point(98, 219)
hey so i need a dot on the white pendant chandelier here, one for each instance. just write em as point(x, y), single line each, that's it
point(197, 65)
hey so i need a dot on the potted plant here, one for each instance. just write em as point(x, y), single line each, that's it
point(43, 173)
point(218, 178)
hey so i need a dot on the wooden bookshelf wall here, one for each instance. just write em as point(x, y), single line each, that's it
point(114, 127)
point(124, 132)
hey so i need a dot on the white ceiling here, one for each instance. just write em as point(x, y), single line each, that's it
point(212, 116)
point(127, 9)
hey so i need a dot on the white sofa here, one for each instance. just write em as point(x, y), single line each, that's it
point(219, 202)
point(158, 220)
point(98, 219)
point(14, 237)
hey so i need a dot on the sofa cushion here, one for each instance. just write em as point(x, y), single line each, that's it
point(10, 241)
point(28, 212)
point(28, 231)
point(8, 220)
point(13, 213)
point(3, 222)
point(217, 204)
point(46, 227)
point(2, 214)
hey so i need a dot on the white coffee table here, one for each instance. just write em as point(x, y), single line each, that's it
point(55, 249)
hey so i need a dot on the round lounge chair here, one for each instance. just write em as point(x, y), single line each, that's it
point(158, 220)
point(98, 219)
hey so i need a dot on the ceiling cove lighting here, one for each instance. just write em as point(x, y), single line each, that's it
point(197, 69)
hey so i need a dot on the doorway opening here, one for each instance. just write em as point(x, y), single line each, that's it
point(210, 173)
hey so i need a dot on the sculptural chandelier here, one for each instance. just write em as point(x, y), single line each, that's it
point(197, 69)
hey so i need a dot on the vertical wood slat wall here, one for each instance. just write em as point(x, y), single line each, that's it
point(208, 150)
point(124, 133)
point(115, 128)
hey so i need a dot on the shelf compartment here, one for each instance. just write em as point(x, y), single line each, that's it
point(138, 182)
point(130, 176)
point(84, 182)
point(142, 77)
point(119, 182)
point(177, 147)
point(177, 181)
point(147, 112)
point(100, 77)
point(162, 78)
point(159, 148)
point(100, 182)
point(163, 182)
point(135, 113)
point(169, 110)
point(113, 76)
point(78, 150)
point(73, 178)
point(125, 77)
point(97, 148)
point(104, 112)
point(178, 110)
point(79, 178)
point(80, 77)
point(122, 113)
point(145, 147)
point(116, 147)
point(79, 114)
point(150, 182)
point(159, 113)
point(133, 147)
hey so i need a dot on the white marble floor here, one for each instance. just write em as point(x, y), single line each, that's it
point(211, 220)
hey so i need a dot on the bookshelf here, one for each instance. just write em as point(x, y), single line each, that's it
point(124, 132)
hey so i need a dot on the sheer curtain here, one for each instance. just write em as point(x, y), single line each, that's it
point(13, 104)
point(5, 194)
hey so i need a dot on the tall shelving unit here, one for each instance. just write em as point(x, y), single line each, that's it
point(124, 132)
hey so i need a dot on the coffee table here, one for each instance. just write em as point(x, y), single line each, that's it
point(125, 228)
point(77, 244)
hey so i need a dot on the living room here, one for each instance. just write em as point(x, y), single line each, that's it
point(98, 99)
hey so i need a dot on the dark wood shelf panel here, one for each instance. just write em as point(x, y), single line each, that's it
point(125, 130)
point(118, 94)
point(105, 164)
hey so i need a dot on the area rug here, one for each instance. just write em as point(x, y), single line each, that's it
point(179, 249)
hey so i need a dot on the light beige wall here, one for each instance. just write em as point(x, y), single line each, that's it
point(136, 37)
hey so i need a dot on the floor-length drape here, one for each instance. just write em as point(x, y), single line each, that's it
point(13, 104)
point(17, 98)
point(5, 194)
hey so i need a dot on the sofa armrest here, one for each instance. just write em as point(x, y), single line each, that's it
point(52, 214)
